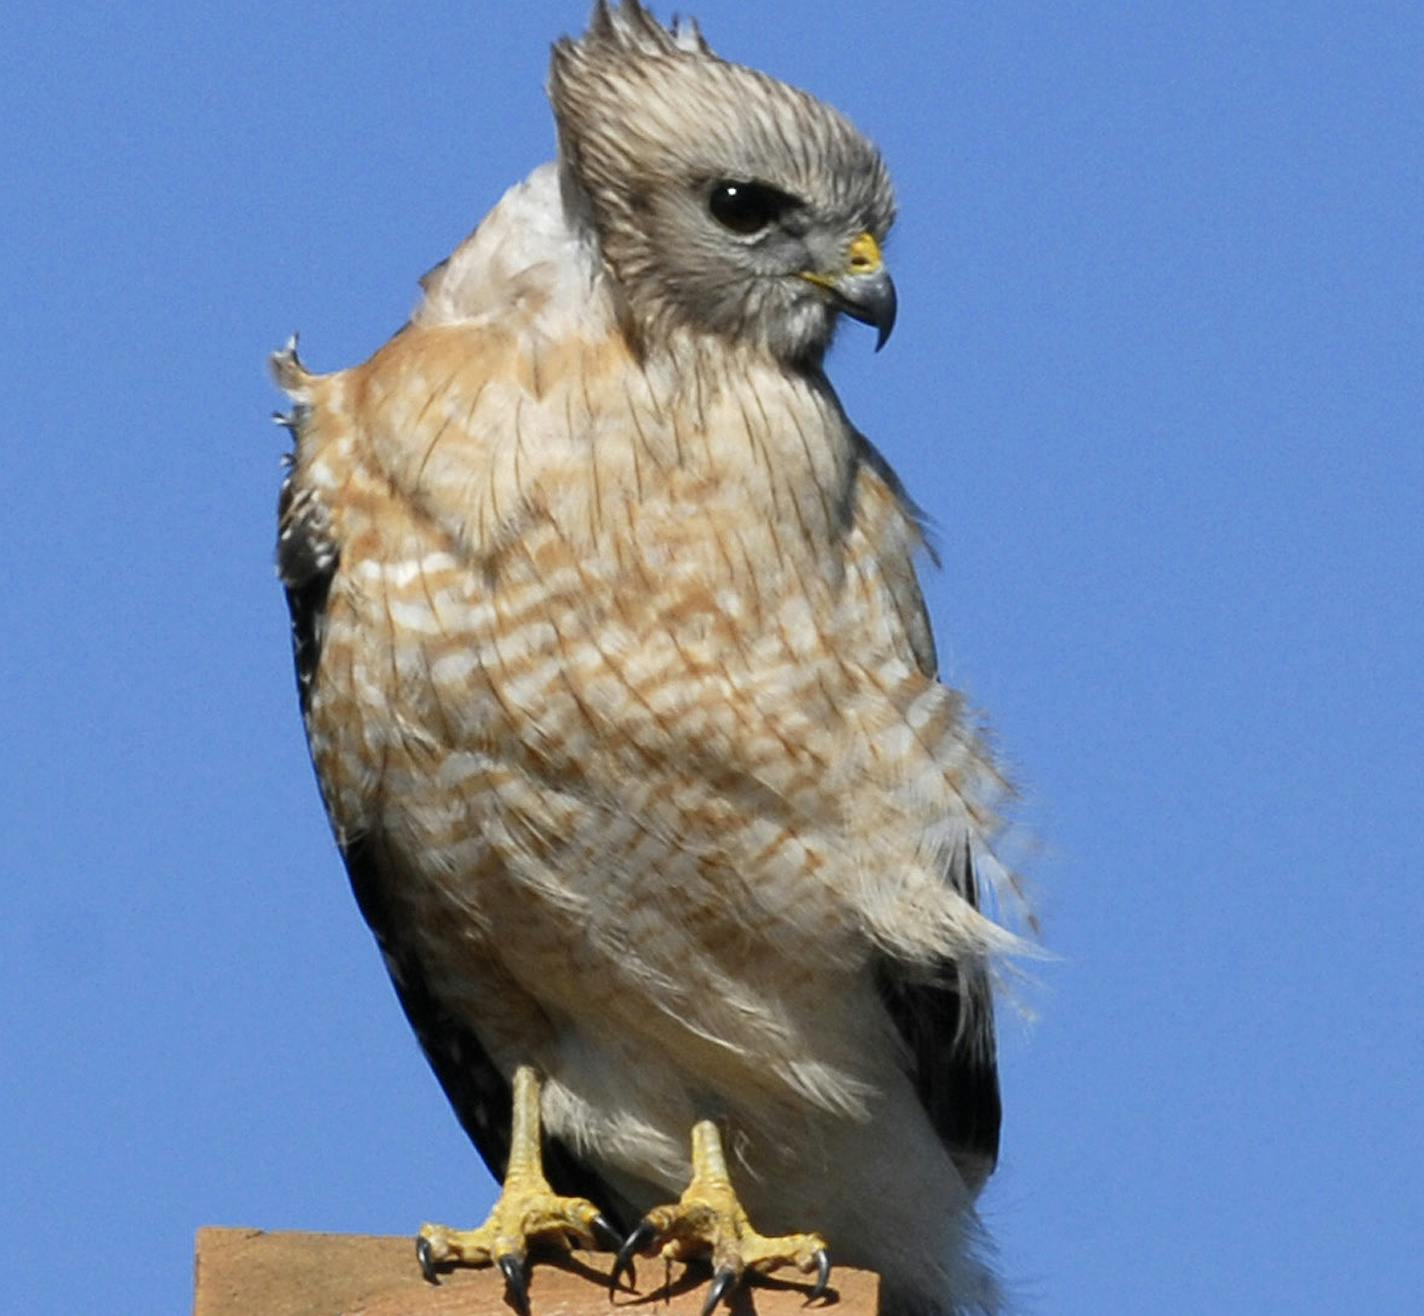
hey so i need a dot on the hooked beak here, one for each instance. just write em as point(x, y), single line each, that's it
point(863, 290)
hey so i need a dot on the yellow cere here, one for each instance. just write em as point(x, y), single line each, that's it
point(865, 255)
point(864, 258)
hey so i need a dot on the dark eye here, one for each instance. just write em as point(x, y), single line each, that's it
point(746, 208)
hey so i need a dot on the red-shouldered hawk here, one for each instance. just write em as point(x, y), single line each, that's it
point(622, 697)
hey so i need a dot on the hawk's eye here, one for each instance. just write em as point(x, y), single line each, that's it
point(746, 208)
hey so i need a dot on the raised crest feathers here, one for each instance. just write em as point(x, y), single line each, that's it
point(631, 27)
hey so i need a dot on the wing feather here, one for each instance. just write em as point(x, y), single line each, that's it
point(946, 1017)
point(947, 1024)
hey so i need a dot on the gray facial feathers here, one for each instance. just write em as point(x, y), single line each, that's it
point(651, 122)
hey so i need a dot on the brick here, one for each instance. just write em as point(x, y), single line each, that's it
point(250, 1272)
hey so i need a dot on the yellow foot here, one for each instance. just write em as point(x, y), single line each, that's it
point(527, 1211)
point(708, 1221)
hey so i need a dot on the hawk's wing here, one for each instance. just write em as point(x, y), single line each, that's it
point(947, 1024)
point(479, 1094)
point(946, 1021)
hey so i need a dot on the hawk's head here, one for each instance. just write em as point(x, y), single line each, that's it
point(723, 200)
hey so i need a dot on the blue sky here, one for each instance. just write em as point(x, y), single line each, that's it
point(1158, 380)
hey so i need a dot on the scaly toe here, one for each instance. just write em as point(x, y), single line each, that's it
point(709, 1221)
point(524, 1214)
point(714, 1226)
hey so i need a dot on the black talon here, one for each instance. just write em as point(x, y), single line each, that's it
point(823, 1276)
point(426, 1258)
point(604, 1232)
point(635, 1242)
point(516, 1279)
point(722, 1281)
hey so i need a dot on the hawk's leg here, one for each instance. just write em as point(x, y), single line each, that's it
point(527, 1210)
point(709, 1222)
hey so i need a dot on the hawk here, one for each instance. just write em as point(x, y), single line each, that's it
point(622, 697)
